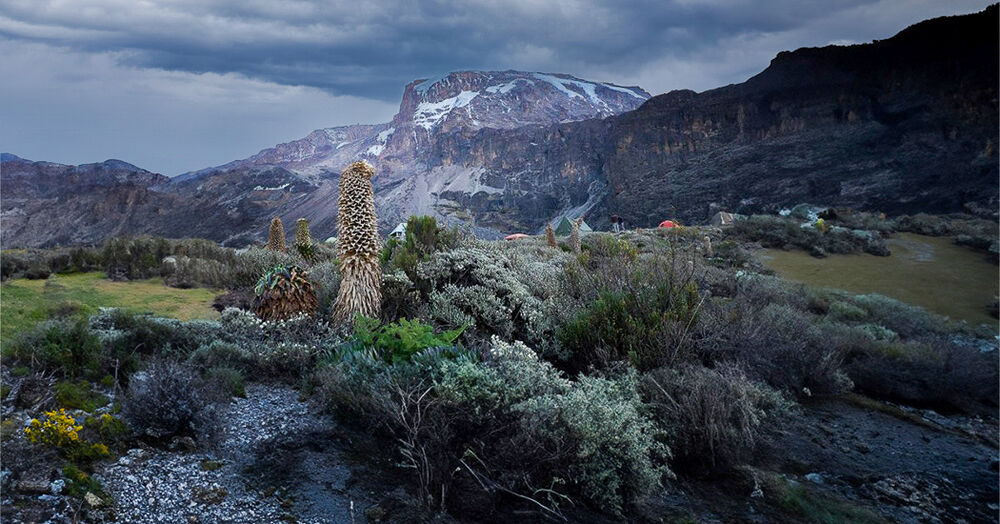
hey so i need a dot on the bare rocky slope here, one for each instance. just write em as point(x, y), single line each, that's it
point(903, 125)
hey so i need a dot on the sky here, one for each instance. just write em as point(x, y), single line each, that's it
point(179, 85)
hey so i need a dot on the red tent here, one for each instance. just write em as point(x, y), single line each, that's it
point(668, 223)
point(515, 236)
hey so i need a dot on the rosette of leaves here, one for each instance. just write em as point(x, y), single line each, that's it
point(284, 292)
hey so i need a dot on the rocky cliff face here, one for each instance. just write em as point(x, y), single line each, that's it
point(903, 125)
point(45, 203)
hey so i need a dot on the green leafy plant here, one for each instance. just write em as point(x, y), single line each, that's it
point(400, 340)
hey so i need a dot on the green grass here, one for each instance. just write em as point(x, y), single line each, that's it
point(930, 272)
point(24, 303)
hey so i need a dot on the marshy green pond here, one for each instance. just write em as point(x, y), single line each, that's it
point(930, 272)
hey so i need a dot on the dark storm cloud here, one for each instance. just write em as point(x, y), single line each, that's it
point(184, 84)
point(372, 48)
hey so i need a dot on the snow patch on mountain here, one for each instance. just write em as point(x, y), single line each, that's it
point(503, 89)
point(588, 88)
point(430, 114)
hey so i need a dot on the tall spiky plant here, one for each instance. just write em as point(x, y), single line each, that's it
point(358, 246)
point(303, 240)
point(550, 235)
point(276, 236)
point(302, 236)
point(574, 236)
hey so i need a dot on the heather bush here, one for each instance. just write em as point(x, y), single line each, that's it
point(935, 372)
point(186, 272)
point(132, 258)
point(169, 399)
point(783, 346)
point(423, 238)
point(647, 329)
point(617, 306)
point(201, 248)
point(40, 263)
point(68, 347)
point(780, 232)
point(718, 417)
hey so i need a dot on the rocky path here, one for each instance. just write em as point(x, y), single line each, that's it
point(276, 461)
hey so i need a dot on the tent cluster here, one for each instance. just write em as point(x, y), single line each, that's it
point(565, 225)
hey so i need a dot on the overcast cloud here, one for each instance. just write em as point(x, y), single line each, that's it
point(180, 85)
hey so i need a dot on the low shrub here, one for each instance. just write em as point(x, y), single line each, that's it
point(78, 395)
point(934, 372)
point(598, 438)
point(169, 399)
point(484, 292)
point(647, 329)
point(228, 379)
point(128, 337)
point(219, 354)
point(512, 424)
point(132, 258)
point(62, 432)
point(718, 417)
point(185, 272)
point(784, 233)
point(778, 344)
point(68, 347)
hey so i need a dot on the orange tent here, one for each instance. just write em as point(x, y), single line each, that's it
point(515, 236)
point(668, 223)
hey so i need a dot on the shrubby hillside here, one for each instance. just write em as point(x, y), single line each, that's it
point(648, 375)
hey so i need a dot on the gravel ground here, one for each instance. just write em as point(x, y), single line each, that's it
point(228, 484)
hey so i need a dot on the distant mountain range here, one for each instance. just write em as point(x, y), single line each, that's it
point(903, 125)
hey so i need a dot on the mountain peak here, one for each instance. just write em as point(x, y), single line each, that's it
point(508, 99)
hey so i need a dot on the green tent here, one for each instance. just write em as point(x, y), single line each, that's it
point(565, 227)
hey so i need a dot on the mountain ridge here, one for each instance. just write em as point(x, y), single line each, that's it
point(902, 125)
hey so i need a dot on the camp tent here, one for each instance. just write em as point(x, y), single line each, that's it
point(399, 232)
point(668, 223)
point(721, 219)
point(565, 227)
point(515, 236)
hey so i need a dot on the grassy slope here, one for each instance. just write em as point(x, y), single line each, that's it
point(25, 302)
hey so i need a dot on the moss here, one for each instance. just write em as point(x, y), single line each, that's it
point(78, 395)
point(20, 371)
point(810, 505)
point(107, 381)
point(78, 484)
point(211, 465)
